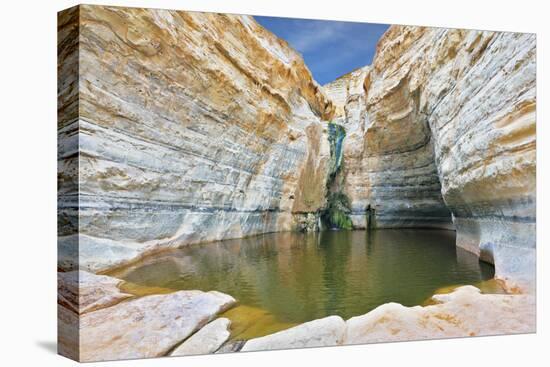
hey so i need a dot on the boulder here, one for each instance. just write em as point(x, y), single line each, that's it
point(207, 340)
point(328, 331)
point(464, 312)
point(83, 292)
point(149, 326)
point(231, 346)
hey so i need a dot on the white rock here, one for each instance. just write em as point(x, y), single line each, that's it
point(464, 312)
point(147, 327)
point(470, 96)
point(83, 292)
point(207, 340)
point(328, 331)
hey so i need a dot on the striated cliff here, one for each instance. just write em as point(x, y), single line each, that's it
point(468, 99)
point(389, 172)
point(191, 127)
point(178, 127)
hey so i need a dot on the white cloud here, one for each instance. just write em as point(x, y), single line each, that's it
point(309, 35)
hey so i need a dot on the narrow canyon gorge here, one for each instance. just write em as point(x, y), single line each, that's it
point(177, 128)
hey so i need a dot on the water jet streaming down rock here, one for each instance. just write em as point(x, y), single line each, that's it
point(336, 213)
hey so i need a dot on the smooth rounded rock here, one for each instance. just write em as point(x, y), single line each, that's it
point(324, 332)
point(207, 340)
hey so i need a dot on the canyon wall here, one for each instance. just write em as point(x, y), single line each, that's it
point(191, 127)
point(389, 172)
point(468, 96)
point(178, 127)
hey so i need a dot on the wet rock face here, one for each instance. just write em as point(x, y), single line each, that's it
point(389, 171)
point(468, 96)
point(191, 127)
point(348, 97)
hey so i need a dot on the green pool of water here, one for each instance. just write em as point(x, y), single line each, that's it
point(283, 279)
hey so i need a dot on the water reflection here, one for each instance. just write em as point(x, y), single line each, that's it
point(297, 277)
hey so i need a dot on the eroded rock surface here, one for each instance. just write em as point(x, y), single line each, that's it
point(464, 312)
point(182, 138)
point(389, 171)
point(207, 340)
point(467, 98)
point(149, 326)
point(191, 127)
point(443, 123)
point(81, 291)
point(179, 127)
point(317, 333)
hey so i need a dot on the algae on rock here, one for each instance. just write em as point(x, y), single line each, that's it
point(336, 215)
point(337, 210)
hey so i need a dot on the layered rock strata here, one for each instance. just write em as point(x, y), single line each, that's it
point(172, 135)
point(67, 171)
point(468, 99)
point(177, 127)
point(190, 127)
point(83, 292)
point(443, 123)
point(389, 172)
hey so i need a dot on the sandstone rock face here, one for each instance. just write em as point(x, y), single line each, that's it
point(468, 99)
point(207, 340)
point(67, 135)
point(389, 171)
point(67, 175)
point(149, 326)
point(328, 331)
point(191, 127)
point(464, 312)
point(68, 333)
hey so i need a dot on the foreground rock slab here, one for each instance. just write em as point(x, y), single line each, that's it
point(231, 346)
point(148, 326)
point(207, 340)
point(464, 312)
point(317, 333)
point(81, 291)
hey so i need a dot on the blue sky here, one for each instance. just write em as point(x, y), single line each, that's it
point(330, 48)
